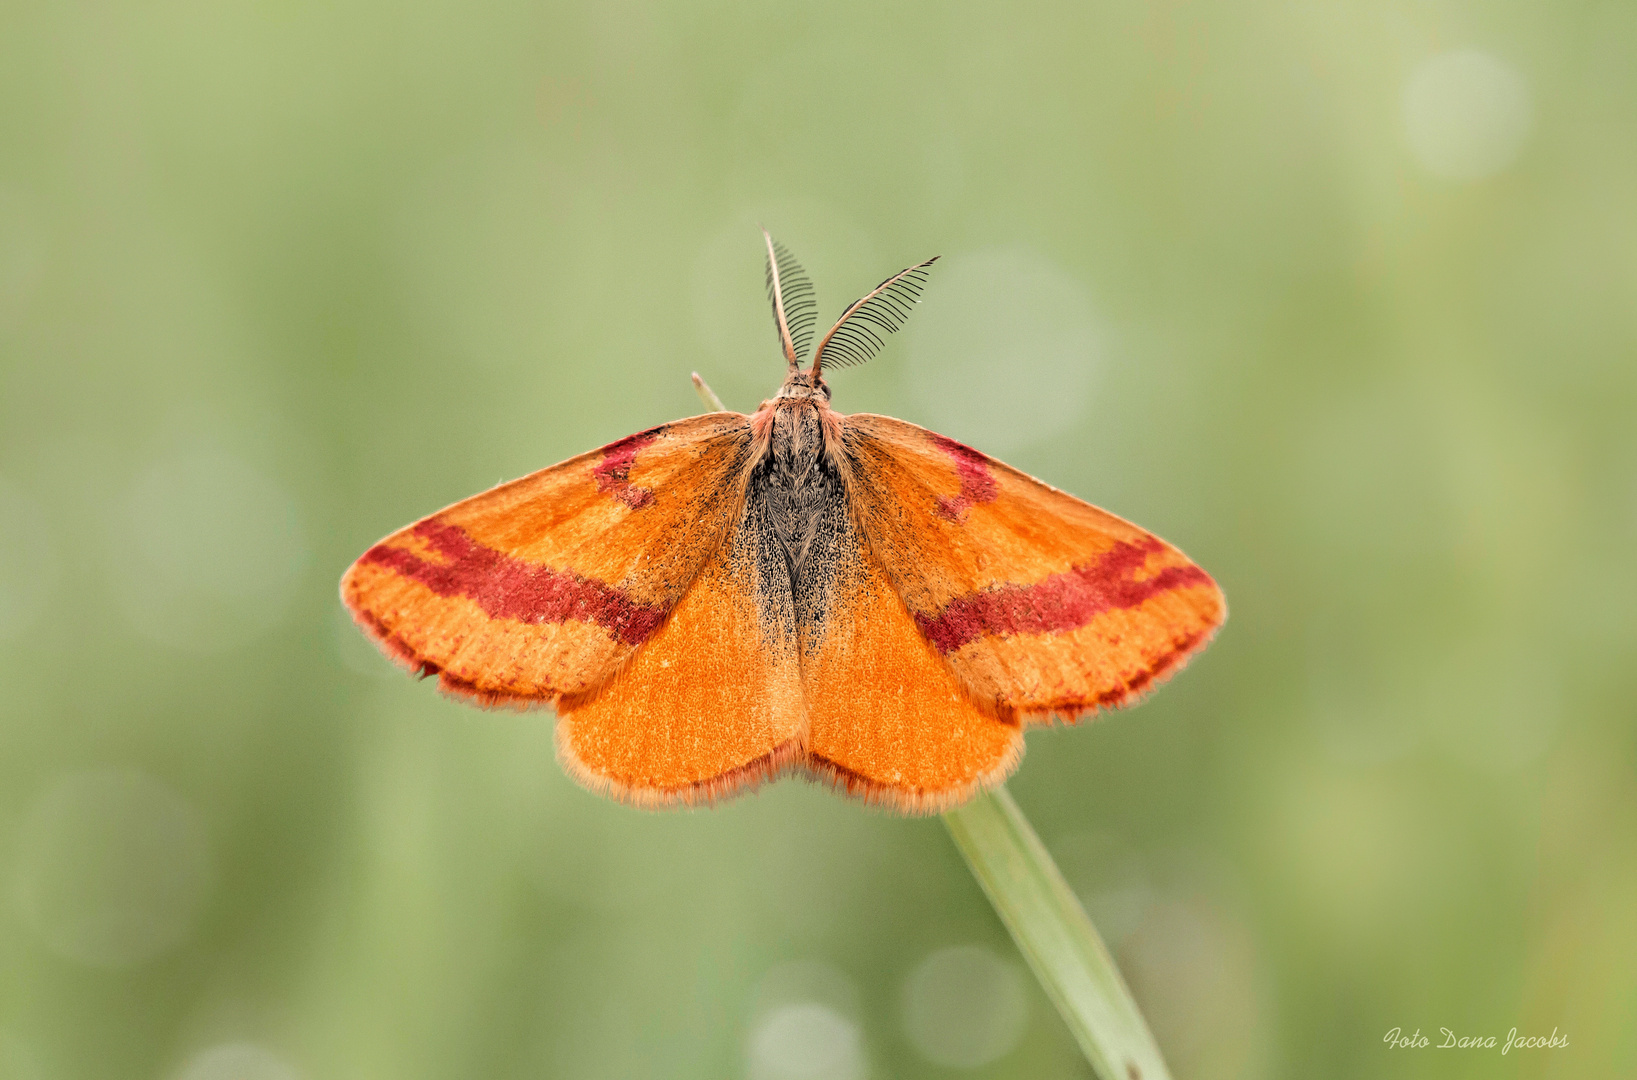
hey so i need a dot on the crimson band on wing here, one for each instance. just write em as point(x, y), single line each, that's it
point(1065, 601)
point(508, 588)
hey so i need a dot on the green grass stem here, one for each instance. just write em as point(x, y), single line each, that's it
point(707, 395)
point(1055, 936)
point(1047, 922)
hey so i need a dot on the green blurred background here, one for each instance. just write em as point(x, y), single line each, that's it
point(1339, 297)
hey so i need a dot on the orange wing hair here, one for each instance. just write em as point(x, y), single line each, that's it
point(1040, 603)
point(889, 721)
point(541, 588)
point(712, 703)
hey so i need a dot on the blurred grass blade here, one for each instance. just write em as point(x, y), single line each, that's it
point(1056, 937)
point(707, 395)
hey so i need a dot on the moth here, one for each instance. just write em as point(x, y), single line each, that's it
point(718, 601)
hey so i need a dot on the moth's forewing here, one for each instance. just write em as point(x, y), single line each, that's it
point(1041, 603)
point(542, 587)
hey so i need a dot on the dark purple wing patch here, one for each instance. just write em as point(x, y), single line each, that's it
point(613, 474)
point(977, 484)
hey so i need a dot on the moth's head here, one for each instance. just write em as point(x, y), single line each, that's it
point(804, 384)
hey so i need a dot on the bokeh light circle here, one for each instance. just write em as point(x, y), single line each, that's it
point(209, 552)
point(112, 868)
point(1466, 114)
point(805, 1041)
point(237, 1061)
point(1003, 351)
point(965, 1007)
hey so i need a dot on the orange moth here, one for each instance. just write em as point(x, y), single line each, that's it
point(725, 599)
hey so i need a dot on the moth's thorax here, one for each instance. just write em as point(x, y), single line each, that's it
point(796, 440)
point(796, 497)
point(797, 425)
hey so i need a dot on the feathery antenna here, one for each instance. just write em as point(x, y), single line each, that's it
point(790, 292)
point(857, 335)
